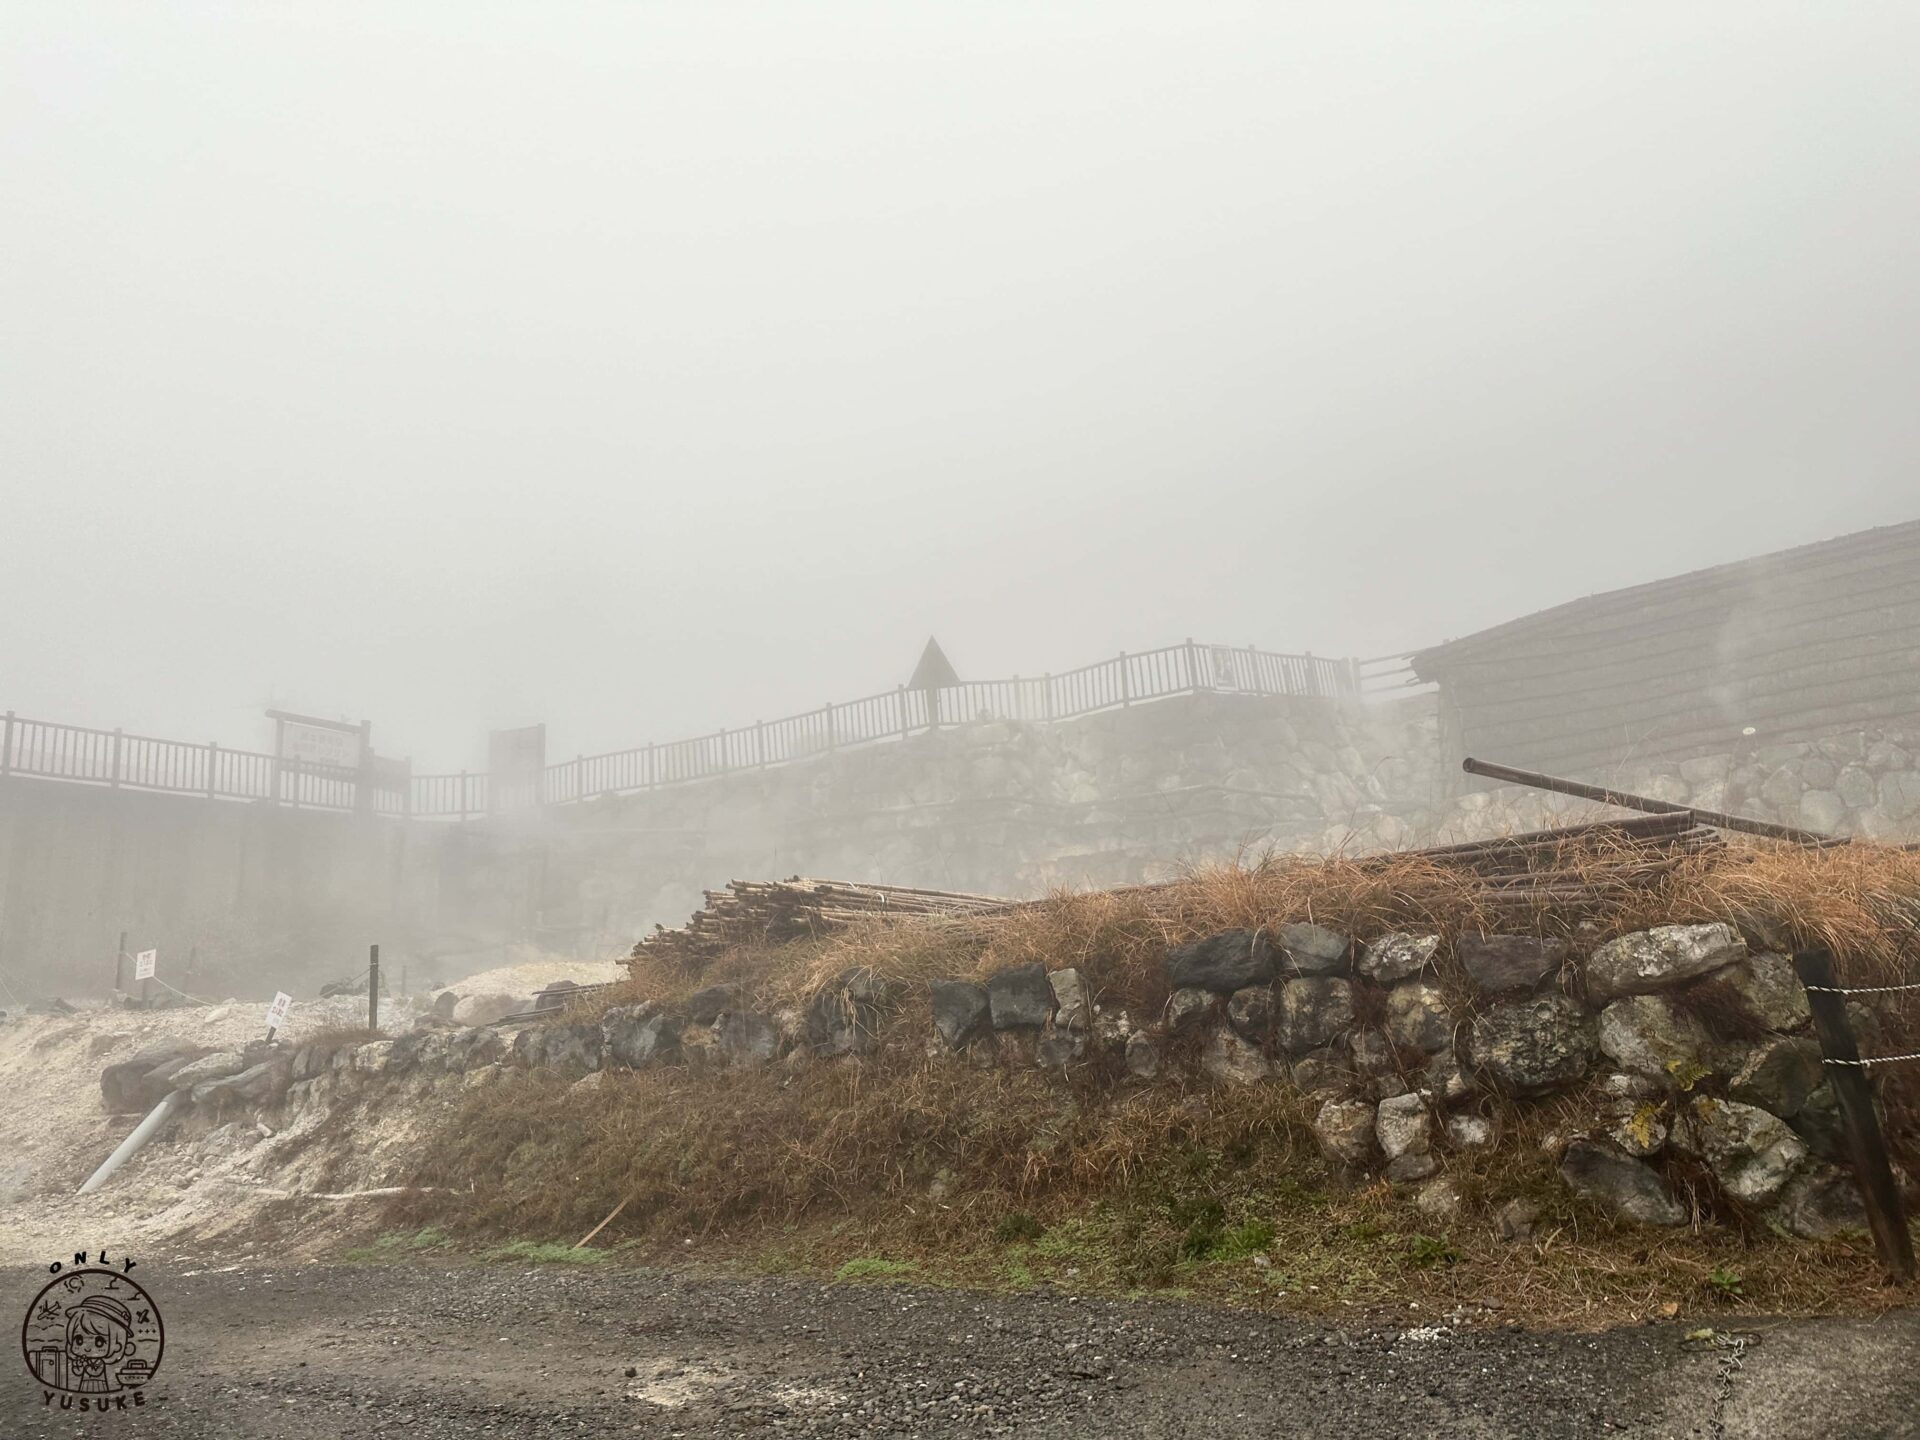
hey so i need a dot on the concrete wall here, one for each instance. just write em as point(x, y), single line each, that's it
point(266, 895)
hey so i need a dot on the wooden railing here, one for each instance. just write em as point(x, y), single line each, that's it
point(111, 758)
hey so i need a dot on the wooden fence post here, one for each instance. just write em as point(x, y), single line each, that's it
point(120, 963)
point(1866, 1145)
point(829, 714)
point(6, 746)
point(1126, 690)
point(117, 741)
point(373, 987)
point(213, 767)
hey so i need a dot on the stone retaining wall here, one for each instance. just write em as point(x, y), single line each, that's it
point(1682, 1080)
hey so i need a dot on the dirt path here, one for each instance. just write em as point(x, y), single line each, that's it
point(310, 1351)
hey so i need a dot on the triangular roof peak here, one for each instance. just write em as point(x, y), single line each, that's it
point(934, 670)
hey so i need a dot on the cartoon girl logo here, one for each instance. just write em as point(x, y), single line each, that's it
point(99, 1337)
point(92, 1333)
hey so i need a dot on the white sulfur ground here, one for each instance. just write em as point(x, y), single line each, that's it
point(54, 1131)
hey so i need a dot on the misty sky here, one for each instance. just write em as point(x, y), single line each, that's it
point(644, 368)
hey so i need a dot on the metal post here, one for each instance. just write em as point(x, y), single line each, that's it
point(463, 795)
point(760, 744)
point(1046, 696)
point(900, 708)
point(115, 782)
point(120, 963)
point(373, 987)
point(579, 778)
point(828, 712)
point(1866, 1145)
point(1126, 689)
point(279, 749)
point(6, 746)
point(213, 766)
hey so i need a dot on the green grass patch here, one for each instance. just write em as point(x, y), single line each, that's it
point(546, 1252)
point(398, 1244)
point(875, 1267)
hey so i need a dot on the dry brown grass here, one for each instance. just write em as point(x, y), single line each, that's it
point(1862, 902)
point(1005, 1178)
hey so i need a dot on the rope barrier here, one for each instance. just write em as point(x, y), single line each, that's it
point(1860, 989)
point(1872, 1060)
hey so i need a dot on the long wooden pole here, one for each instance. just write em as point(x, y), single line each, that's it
point(1644, 803)
point(1866, 1145)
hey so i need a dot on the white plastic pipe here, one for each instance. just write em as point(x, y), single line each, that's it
point(134, 1143)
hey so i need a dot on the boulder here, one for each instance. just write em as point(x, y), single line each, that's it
point(844, 1016)
point(444, 1004)
point(1751, 1153)
point(1324, 1071)
point(1818, 1123)
point(572, 1048)
point(1020, 997)
point(260, 1084)
point(376, 1057)
point(1528, 1047)
point(634, 1036)
point(1619, 1183)
point(1651, 1035)
point(1765, 992)
point(1660, 958)
point(475, 1046)
point(1313, 950)
point(707, 1005)
point(1824, 811)
point(960, 1011)
point(745, 1037)
point(1820, 1204)
point(1445, 1081)
point(217, 1066)
point(1499, 964)
point(1404, 1127)
point(1313, 1011)
point(1226, 1057)
point(485, 1009)
point(1223, 963)
point(1516, 1219)
point(1638, 1125)
point(1439, 1200)
point(1058, 1048)
point(1187, 1007)
point(1398, 956)
point(1372, 1054)
point(1344, 1131)
point(1470, 1132)
point(1779, 1075)
point(1418, 1018)
point(1251, 1013)
point(140, 1082)
point(1072, 1007)
point(1143, 1056)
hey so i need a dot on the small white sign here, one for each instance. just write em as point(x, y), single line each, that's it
point(277, 1011)
point(143, 964)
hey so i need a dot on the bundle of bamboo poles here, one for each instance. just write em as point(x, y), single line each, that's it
point(756, 911)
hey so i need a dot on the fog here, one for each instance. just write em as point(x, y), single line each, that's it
point(641, 369)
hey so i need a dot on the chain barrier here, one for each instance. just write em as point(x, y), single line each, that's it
point(1732, 1356)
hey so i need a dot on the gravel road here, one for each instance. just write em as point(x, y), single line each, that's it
point(319, 1350)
